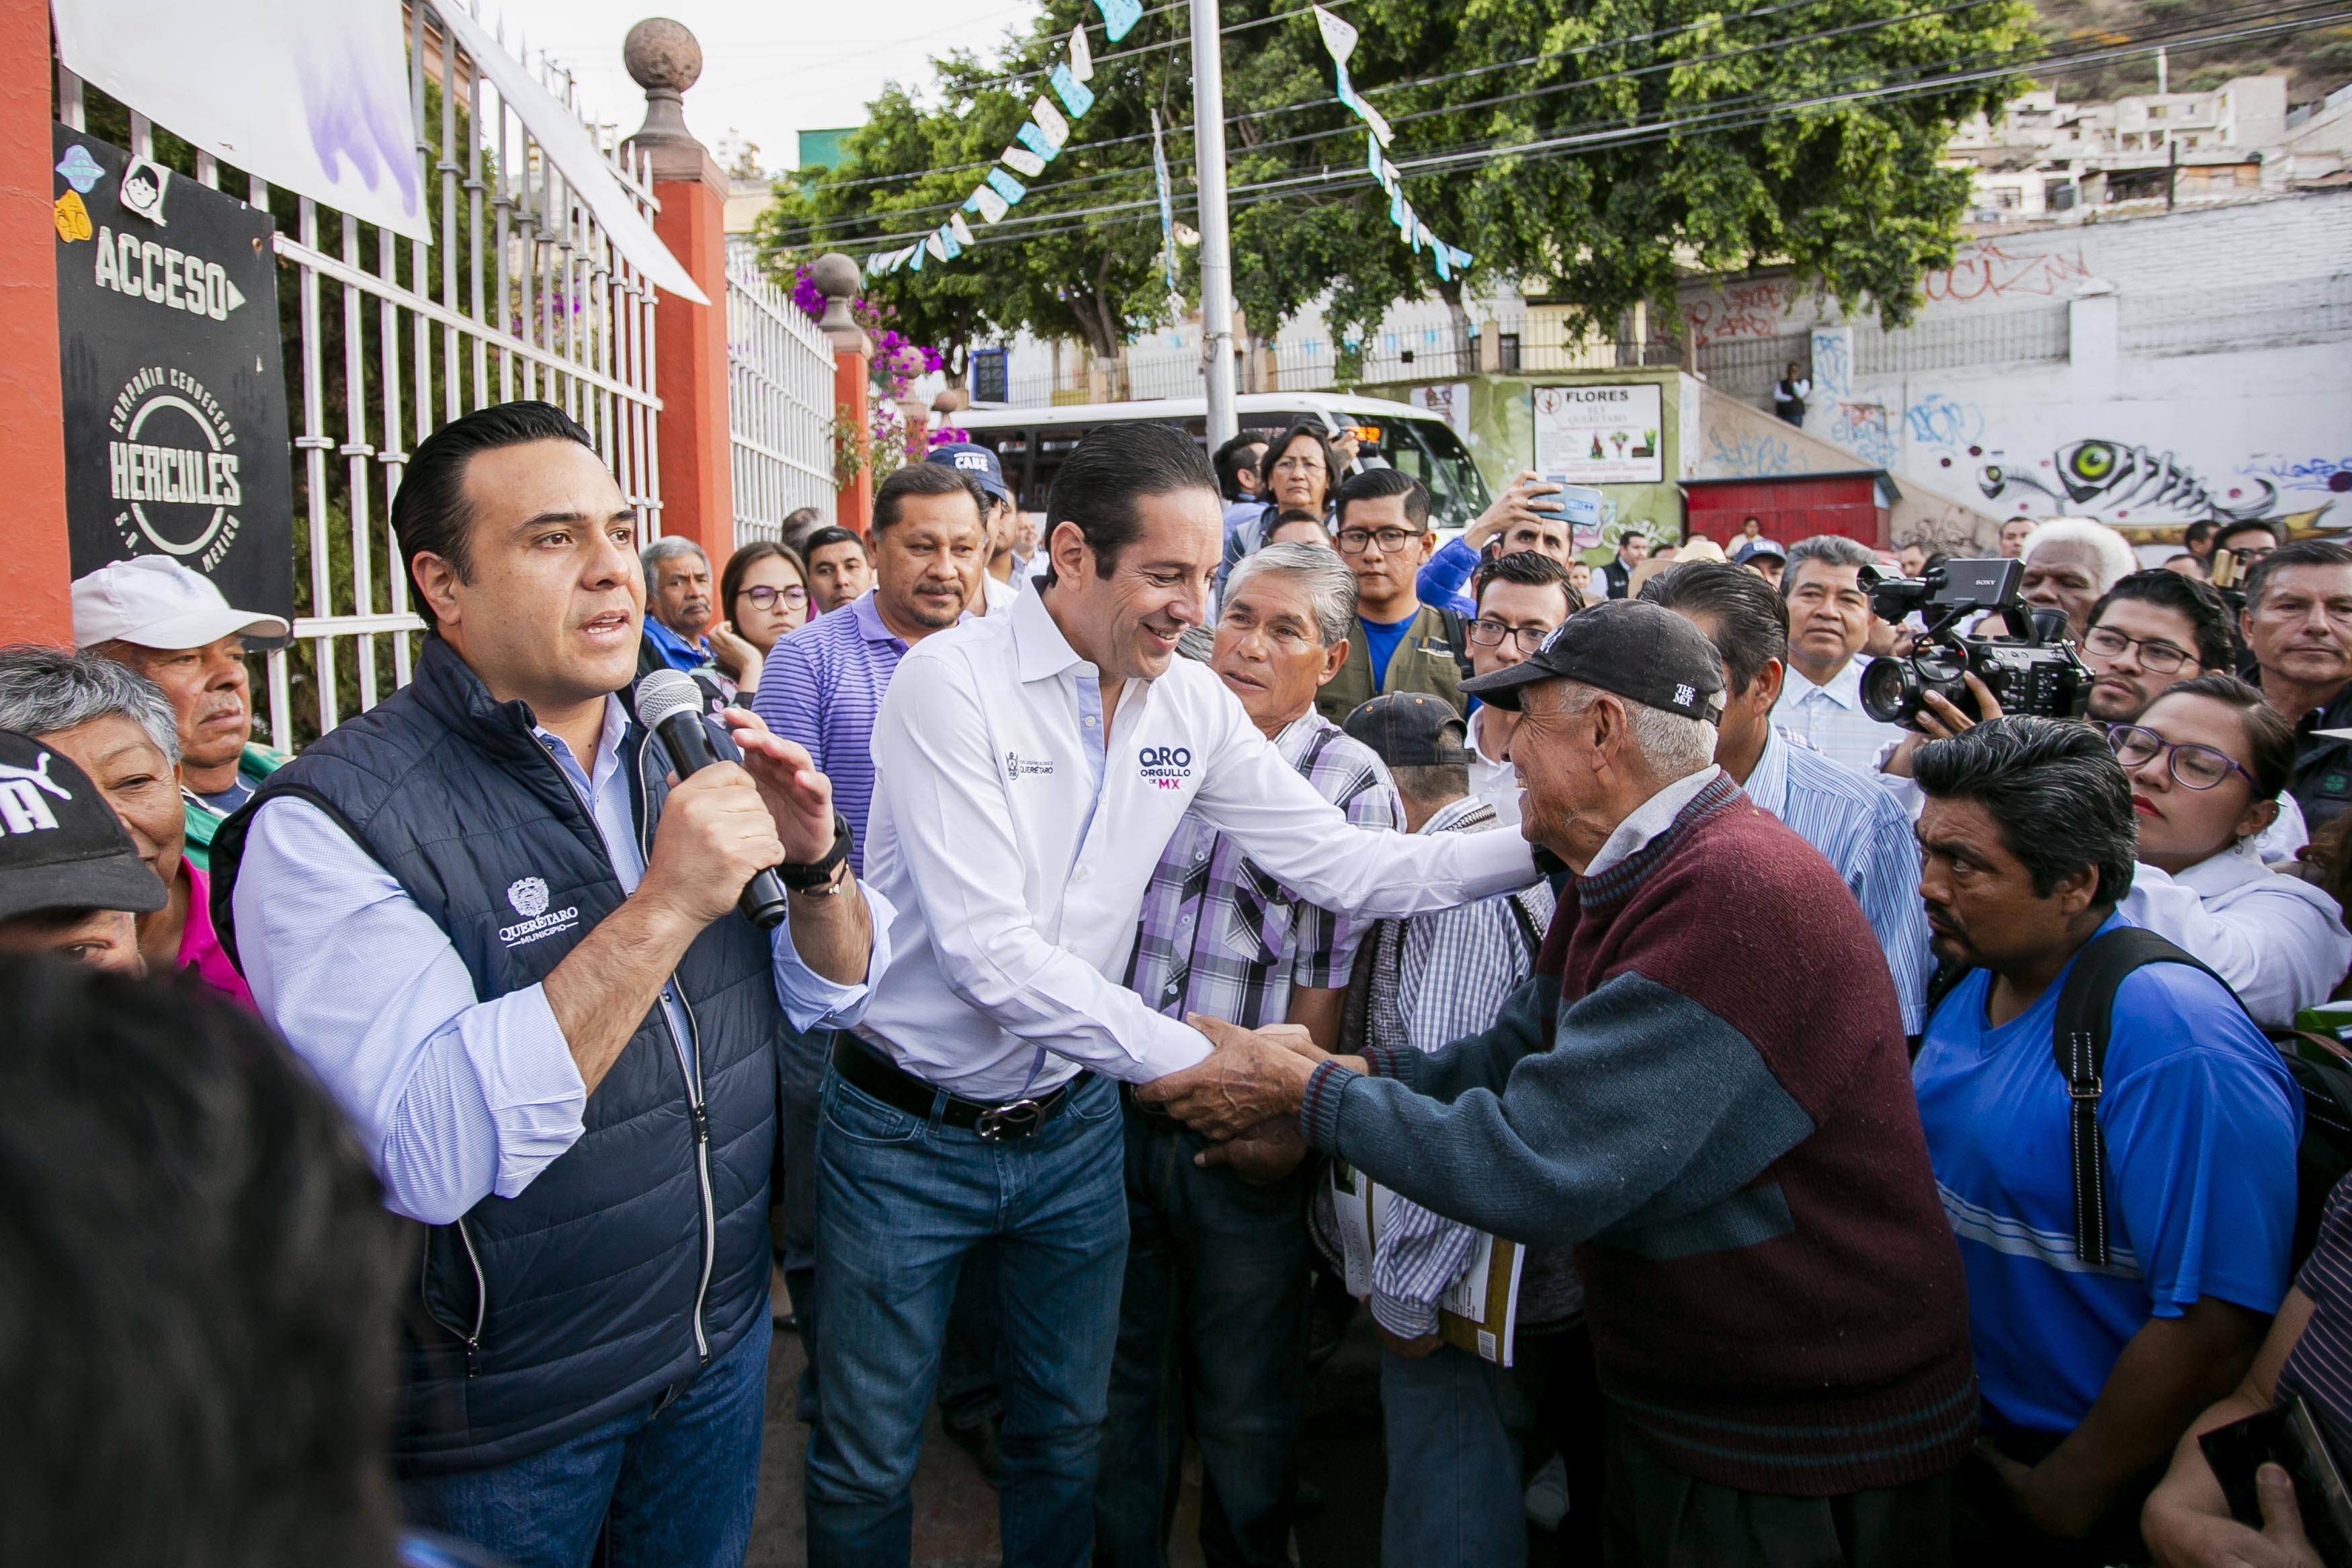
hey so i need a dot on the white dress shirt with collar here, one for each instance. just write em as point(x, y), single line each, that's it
point(2278, 939)
point(1831, 717)
point(1497, 783)
point(1648, 820)
point(996, 597)
point(1014, 839)
point(456, 1098)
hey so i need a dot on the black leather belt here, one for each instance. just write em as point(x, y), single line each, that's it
point(1156, 1114)
point(868, 1072)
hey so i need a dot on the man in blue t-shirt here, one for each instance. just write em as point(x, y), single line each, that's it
point(1380, 525)
point(2088, 1373)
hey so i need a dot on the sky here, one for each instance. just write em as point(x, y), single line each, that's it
point(771, 68)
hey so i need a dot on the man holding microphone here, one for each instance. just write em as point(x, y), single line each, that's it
point(1033, 767)
point(510, 944)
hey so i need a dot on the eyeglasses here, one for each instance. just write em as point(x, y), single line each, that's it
point(1353, 540)
point(1490, 634)
point(765, 597)
point(1299, 465)
point(2192, 766)
point(2157, 658)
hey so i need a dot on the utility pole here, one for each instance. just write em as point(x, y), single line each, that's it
point(1217, 240)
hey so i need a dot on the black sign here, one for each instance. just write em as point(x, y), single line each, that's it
point(174, 387)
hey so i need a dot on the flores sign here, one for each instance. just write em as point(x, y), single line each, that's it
point(174, 388)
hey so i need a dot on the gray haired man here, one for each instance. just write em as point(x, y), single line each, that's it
point(1212, 1317)
point(678, 607)
point(1829, 627)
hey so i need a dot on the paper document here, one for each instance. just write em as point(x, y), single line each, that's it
point(1478, 1313)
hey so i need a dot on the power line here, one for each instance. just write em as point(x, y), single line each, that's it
point(1352, 129)
point(1716, 118)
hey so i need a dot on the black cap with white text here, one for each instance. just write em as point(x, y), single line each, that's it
point(1629, 646)
point(61, 845)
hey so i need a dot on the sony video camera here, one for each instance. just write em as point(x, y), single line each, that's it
point(2031, 670)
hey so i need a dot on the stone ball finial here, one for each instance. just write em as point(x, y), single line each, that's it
point(835, 274)
point(662, 55)
point(951, 400)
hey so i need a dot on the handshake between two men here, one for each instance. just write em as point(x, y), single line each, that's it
point(1245, 1095)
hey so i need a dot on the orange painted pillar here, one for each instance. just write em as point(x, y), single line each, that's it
point(690, 339)
point(835, 277)
point(37, 564)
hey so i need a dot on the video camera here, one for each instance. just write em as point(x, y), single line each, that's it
point(2031, 670)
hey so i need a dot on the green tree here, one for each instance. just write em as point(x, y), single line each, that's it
point(1054, 265)
point(1683, 135)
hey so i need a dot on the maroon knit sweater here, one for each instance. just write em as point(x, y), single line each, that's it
point(1715, 1105)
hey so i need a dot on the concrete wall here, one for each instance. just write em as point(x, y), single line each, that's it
point(2147, 371)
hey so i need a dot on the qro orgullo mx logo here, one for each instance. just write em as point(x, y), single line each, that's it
point(1166, 766)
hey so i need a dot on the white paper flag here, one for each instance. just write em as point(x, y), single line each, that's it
point(961, 229)
point(988, 204)
point(1049, 121)
point(1082, 58)
point(1338, 36)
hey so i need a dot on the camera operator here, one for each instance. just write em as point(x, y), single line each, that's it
point(2297, 621)
point(2069, 563)
point(2207, 762)
point(2088, 1374)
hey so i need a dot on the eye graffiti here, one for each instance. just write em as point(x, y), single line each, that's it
point(2110, 475)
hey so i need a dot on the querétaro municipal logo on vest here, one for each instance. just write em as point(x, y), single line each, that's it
point(529, 896)
point(1166, 766)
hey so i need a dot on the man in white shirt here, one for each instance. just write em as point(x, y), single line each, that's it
point(1522, 598)
point(1829, 622)
point(1033, 769)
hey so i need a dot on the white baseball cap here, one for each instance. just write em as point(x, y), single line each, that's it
point(153, 601)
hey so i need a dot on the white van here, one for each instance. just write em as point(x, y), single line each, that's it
point(1031, 442)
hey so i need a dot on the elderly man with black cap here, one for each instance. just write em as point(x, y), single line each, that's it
point(1705, 1090)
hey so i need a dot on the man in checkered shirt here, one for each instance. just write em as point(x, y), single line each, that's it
point(1213, 1316)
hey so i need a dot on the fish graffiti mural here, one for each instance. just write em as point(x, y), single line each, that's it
point(2103, 474)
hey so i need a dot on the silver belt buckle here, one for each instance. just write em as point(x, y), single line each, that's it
point(1016, 1120)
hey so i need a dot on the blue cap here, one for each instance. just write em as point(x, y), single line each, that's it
point(1754, 548)
point(977, 461)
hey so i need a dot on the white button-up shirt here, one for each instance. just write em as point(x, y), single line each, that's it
point(1014, 838)
point(2276, 939)
point(1831, 717)
point(1497, 783)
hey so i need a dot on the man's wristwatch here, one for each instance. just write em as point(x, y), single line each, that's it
point(820, 877)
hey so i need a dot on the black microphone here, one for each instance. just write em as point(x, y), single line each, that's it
point(670, 705)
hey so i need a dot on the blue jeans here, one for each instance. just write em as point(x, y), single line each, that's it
point(900, 1201)
point(669, 1485)
point(1212, 1324)
point(1454, 1426)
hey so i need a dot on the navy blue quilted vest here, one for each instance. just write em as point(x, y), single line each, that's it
point(641, 1252)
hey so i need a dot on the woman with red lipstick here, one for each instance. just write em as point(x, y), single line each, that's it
point(2206, 762)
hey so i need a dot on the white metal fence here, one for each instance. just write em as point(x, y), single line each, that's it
point(520, 296)
point(780, 409)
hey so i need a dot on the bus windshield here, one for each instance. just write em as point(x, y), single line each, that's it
point(1430, 451)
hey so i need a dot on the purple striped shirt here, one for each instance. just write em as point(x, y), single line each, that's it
point(2320, 1366)
point(821, 688)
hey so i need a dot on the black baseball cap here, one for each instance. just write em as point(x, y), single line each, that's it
point(1629, 646)
point(61, 846)
point(1409, 729)
point(970, 457)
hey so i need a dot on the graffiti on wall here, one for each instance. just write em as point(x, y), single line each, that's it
point(1749, 454)
point(1742, 310)
point(1986, 272)
point(2332, 475)
point(1862, 428)
point(2116, 480)
point(1936, 419)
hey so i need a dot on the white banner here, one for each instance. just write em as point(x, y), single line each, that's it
point(306, 94)
point(566, 143)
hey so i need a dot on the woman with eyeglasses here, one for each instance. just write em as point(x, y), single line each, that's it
point(762, 595)
point(2205, 763)
point(1302, 468)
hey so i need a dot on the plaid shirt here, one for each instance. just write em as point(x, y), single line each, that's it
point(1220, 937)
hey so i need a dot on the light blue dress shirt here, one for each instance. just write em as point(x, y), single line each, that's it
point(1866, 835)
point(455, 1097)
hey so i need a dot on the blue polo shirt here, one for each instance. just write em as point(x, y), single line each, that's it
point(1380, 640)
point(675, 650)
point(2201, 1121)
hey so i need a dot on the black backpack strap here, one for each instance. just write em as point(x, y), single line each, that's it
point(1529, 933)
point(2078, 1039)
point(1457, 638)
